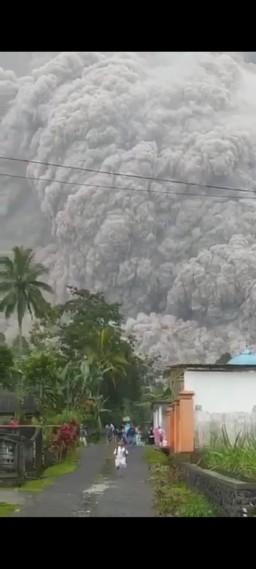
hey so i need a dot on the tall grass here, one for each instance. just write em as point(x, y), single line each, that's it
point(155, 456)
point(64, 417)
point(173, 498)
point(236, 458)
point(6, 510)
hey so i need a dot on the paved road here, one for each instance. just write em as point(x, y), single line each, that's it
point(95, 489)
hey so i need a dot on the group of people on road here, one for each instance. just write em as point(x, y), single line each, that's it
point(118, 435)
point(129, 434)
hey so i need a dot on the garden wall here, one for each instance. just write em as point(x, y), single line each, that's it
point(235, 498)
point(235, 423)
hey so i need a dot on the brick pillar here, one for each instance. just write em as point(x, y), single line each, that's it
point(177, 441)
point(168, 427)
point(171, 427)
point(176, 433)
point(186, 422)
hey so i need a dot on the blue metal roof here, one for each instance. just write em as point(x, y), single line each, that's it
point(243, 359)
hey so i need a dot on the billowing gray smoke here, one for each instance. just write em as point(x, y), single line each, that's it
point(183, 266)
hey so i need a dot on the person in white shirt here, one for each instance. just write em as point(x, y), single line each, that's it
point(120, 454)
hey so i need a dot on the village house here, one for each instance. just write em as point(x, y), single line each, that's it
point(211, 397)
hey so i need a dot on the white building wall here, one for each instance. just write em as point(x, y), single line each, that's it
point(222, 399)
point(222, 392)
point(160, 418)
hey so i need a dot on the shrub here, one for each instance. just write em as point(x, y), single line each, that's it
point(6, 363)
point(94, 436)
point(155, 456)
point(178, 500)
point(236, 458)
point(65, 417)
point(64, 438)
point(172, 496)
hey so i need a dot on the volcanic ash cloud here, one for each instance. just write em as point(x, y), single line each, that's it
point(184, 263)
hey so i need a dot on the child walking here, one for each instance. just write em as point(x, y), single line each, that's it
point(120, 453)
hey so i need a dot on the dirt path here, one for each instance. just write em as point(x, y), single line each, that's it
point(95, 489)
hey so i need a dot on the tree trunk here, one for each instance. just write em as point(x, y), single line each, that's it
point(20, 339)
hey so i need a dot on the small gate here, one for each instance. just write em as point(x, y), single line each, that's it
point(12, 460)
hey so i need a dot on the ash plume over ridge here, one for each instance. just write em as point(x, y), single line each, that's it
point(182, 266)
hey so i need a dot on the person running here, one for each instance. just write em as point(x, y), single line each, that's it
point(109, 433)
point(83, 435)
point(115, 435)
point(123, 436)
point(120, 454)
point(137, 436)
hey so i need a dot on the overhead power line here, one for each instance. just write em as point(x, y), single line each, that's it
point(136, 176)
point(164, 192)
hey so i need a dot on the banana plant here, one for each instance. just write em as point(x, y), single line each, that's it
point(106, 355)
point(99, 408)
point(65, 383)
point(89, 384)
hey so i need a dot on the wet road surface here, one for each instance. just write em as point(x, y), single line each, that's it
point(95, 489)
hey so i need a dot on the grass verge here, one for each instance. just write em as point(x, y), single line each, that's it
point(6, 510)
point(173, 498)
point(51, 474)
point(234, 458)
point(153, 456)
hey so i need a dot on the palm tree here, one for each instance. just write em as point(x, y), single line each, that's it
point(20, 287)
point(106, 353)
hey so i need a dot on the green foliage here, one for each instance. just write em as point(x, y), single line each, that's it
point(174, 379)
point(50, 420)
point(66, 466)
point(45, 331)
point(80, 361)
point(6, 364)
point(87, 327)
point(20, 288)
point(224, 358)
point(113, 358)
point(40, 378)
point(2, 338)
point(89, 392)
point(6, 510)
point(88, 314)
point(64, 417)
point(173, 498)
point(17, 342)
point(156, 456)
point(237, 459)
point(64, 438)
point(153, 387)
point(90, 326)
point(105, 351)
point(178, 500)
point(139, 410)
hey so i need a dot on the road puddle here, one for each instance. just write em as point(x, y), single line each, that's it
point(97, 488)
point(90, 499)
point(92, 494)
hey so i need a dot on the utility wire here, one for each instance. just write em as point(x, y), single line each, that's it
point(169, 193)
point(149, 178)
